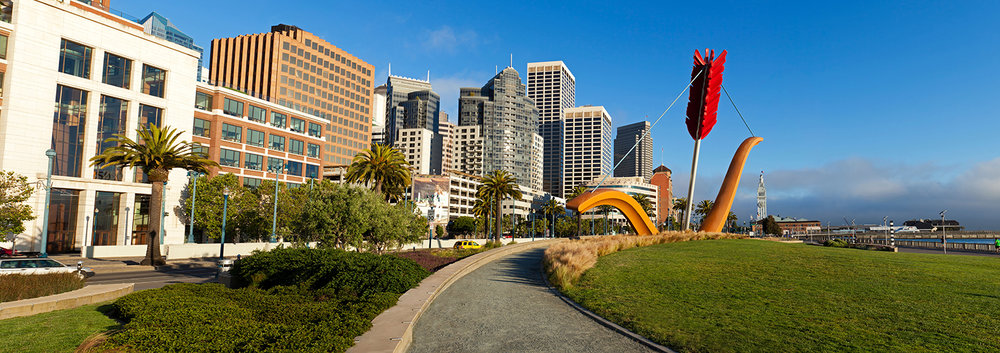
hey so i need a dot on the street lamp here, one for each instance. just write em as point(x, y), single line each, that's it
point(127, 231)
point(51, 153)
point(274, 219)
point(194, 198)
point(944, 239)
point(225, 207)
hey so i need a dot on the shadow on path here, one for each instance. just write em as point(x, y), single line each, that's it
point(505, 306)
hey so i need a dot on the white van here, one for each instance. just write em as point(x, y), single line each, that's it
point(37, 266)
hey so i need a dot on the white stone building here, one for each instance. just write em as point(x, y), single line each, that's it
point(588, 146)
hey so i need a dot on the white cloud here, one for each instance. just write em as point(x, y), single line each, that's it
point(445, 38)
point(447, 88)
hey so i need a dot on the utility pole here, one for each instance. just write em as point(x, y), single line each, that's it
point(944, 238)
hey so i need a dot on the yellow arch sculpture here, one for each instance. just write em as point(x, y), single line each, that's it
point(637, 217)
point(617, 199)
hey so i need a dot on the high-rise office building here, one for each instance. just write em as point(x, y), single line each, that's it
point(74, 75)
point(378, 114)
point(446, 129)
point(297, 69)
point(161, 27)
point(509, 122)
point(416, 145)
point(553, 88)
point(640, 161)
point(587, 145)
point(410, 103)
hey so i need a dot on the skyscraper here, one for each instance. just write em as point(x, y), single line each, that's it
point(378, 114)
point(640, 161)
point(587, 145)
point(299, 70)
point(509, 122)
point(553, 88)
point(410, 103)
point(161, 27)
point(445, 129)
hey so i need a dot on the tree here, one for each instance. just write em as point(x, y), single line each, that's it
point(771, 226)
point(391, 226)
point(605, 209)
point(439, 232)
point(157, 151)
point(338, 215)
point(482, 210)
point(680, 206)
point(704, 207)
point(245, 217)
point(731, 220)
point(644, 202)
point(14, 191)
point(381, 167)
point(553, 208)
point(496, 186)
point(462, 226)
point(577, 191)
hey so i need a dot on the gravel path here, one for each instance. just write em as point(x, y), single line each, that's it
point(505, 306)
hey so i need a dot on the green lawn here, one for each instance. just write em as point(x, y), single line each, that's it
point(57, 331)
point(752, 295)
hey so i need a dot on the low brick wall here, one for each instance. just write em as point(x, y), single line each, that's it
point(72, 299)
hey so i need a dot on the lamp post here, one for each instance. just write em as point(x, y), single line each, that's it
point(127, 231)
point(274, 219)
point(163, 209)
point(51, 153)
point(93, 232)
point(225, 207)
point(194, 198)
point(944, 239)
point(86, 228)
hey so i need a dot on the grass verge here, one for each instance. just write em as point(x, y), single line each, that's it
point(759, 296)
point(56, 331)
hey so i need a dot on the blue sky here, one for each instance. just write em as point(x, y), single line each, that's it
point(867, 109)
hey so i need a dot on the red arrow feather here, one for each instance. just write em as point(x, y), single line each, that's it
point(703, 104)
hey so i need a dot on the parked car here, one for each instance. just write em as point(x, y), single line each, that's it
point(467, 244)
point(4, 252)
point(38, 266)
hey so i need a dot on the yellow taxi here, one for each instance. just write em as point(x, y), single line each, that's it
point(467, 244)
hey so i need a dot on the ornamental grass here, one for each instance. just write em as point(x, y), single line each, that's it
point(565, 262)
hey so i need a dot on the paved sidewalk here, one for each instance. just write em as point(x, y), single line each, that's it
point(129, 264)
point(505, 306)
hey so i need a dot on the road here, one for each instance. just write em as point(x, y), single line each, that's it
point(505, 306)
point(155, 279)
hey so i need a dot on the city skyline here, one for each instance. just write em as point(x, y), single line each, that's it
point(799, 75)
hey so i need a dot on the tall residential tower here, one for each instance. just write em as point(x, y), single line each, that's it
point(588, 145)
point(553, 88)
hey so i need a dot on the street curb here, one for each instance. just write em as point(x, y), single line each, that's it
point(72, 299)
point(392, 331)
point(600, 320)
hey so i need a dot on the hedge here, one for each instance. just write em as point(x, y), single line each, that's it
point(16, 287)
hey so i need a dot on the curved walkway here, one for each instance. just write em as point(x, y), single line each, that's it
point(505, 306)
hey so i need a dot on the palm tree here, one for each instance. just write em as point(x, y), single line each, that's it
point(553, 208)
point(731, 220)
point(482, 210)
point(381, 167)
point(606, 209)
point(643, 201)
point(577, 191)
point(497, 185)
point(680, 205)
point(157, 152)
point(704, 207)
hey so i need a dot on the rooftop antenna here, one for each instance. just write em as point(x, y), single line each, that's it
point(511, 59)
point(428, 76)
point(496, 69)
point(390, 68)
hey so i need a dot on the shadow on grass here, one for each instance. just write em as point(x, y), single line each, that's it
point(97, 339)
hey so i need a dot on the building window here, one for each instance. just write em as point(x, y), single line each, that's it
point(150, 115)
point(3, 47)
point(312, 171)
point(117, 70)
point(255, 138)
point(203, 101)
point(253, 161)
point(275, 164)
point(74, 59)
point(110, 122)
point(232, 107)
point(232, 133)
point(313, 151)
point(315, 130)
point(278, 120)
point(200, 150)
point(295, 146)
point(229, 158)
point(153, 80)
point(202, 128)
point(257, 114)
point(252, 183)
point(68, 125)
point(293, 168)
point(277, 143)
point(298, 125)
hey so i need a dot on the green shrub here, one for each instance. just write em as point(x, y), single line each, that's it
point(353, 274)
point(16, 287)
point(212, 318)
point(492, 245)
point(836, 243)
